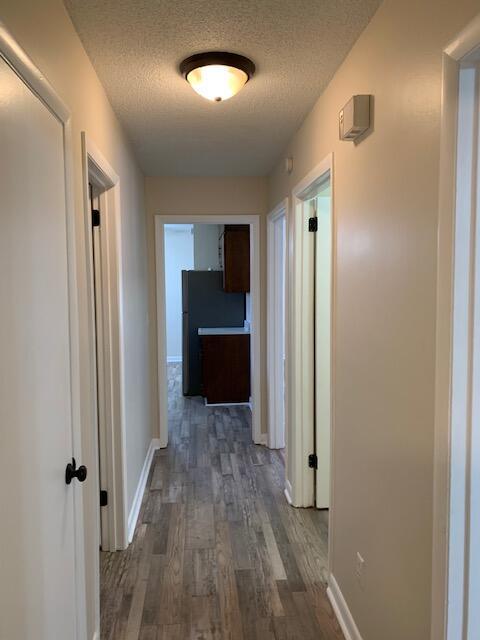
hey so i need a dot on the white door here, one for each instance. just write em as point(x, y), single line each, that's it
point(37, 549)
point(323, 311)
point(276, 249)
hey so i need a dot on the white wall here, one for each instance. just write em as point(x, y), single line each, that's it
point(45, 31)
point(205, 240)
point(385, 195)
point(178, 256)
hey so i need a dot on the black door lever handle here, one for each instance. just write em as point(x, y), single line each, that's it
point(72, 472)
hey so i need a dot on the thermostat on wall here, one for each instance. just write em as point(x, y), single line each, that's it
point(354, 118)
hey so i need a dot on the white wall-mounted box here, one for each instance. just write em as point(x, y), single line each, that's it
point(354, 118)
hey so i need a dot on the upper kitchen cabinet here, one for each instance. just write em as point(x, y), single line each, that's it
point(236, 258)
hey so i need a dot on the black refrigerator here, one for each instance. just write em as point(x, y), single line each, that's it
point(204, 304)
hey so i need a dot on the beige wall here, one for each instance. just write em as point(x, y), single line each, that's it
point(385, 200)
point(44, 30)
point(204, 196)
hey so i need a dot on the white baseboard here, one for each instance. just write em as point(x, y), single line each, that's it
point(226, 404)
point(262, 439)
point(174, 359)
point(272, 445)
point(342, 612)
point(142, 482)
point(288, 491)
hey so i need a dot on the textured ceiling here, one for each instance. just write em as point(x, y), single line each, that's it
point(137, 45)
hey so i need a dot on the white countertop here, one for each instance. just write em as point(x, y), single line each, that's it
point(224, 331)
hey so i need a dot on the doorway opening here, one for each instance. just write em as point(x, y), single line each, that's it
point(207, 301)
point(310, 346)
point(108, 522)
point(208, 281)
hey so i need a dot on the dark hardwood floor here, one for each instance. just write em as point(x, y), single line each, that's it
point(218, 554)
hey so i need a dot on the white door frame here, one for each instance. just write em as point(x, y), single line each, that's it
point(300, 358)
point(454, 453)
point(23, 66)
point(110, 408)
point(275, 365)
point(254, 222)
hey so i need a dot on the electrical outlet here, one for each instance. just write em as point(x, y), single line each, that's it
point(359, 569)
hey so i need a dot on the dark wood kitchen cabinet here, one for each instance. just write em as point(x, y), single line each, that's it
point(236, 258)
point(225, 368)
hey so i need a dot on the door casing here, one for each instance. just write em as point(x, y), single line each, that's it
point(323, 284)
point(275, 346)
point(455, 55)
point(109, 410)
point(254, 221)
point(300, 330)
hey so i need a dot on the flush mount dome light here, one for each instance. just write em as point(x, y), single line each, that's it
point(217, 75)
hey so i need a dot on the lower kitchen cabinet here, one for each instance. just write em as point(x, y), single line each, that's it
point(225, 368)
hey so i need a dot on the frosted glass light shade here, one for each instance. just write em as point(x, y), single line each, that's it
point(217, 82)
point(217, 75)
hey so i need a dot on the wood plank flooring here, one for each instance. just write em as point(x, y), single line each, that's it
point(218, 554)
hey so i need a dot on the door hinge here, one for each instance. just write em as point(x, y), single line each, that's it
point(103, 498)
point(313, 461)
point(313, 224)
point(95, 218)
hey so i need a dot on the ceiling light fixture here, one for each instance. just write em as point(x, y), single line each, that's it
point(217, 75)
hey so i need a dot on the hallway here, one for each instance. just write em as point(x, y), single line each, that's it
point(217, 552)
point(331, 150)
